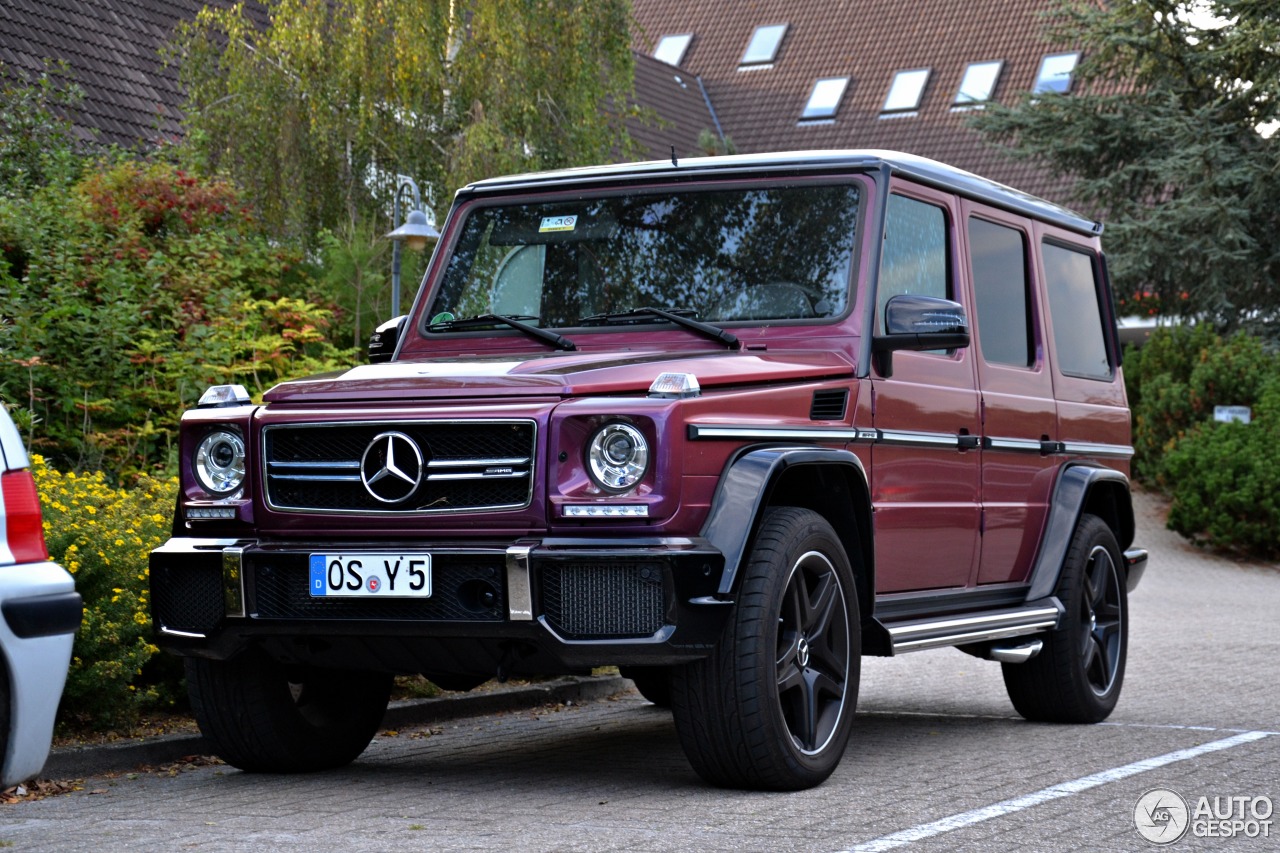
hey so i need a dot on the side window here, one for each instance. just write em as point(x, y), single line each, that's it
point(1000, 285)
point(915, 252)
point(1080, 344)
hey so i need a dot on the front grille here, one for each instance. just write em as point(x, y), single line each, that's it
point(603, 600)
point(187, 598)
point(464, 466)
point(464, 588)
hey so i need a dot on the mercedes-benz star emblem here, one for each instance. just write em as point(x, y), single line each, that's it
point(391, 467)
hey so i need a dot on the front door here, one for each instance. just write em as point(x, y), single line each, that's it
point(926, 459)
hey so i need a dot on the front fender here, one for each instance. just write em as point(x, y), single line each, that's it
point(830, 481)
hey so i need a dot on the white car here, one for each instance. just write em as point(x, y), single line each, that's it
point(39, 614)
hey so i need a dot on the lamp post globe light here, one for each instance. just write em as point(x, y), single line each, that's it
point(416, 230)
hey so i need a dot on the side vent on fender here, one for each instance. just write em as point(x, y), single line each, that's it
point(829, 405)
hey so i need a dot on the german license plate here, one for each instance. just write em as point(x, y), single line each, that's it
point(370, 575)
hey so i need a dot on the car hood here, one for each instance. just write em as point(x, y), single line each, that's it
point(561, 375)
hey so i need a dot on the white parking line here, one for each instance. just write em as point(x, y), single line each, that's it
point(1065, 789)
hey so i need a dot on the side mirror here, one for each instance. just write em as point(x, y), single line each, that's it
point(919, 323)
point(382, 343)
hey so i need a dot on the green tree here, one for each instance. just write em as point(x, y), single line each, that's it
point(1161, 139)
point(135, 287)
point(37, 142)
point(317, 112)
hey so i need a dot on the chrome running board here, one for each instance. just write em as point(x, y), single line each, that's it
point(920, 634)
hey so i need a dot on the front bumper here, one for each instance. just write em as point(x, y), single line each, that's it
point(532, 605)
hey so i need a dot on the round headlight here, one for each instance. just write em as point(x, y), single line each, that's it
point(219, 462)
point(617, 457)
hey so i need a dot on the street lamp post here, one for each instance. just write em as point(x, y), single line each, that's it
point(416, 231)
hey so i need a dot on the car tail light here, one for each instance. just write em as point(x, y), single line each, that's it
point(21, 509)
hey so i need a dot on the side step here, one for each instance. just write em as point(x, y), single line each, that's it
point(920, 634)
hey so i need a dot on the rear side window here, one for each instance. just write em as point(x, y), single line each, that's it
point(1000, 284)
point(915, 252)
point(1080, 343)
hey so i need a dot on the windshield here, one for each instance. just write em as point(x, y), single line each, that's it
point(779, 253)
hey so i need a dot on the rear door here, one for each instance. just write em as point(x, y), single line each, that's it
point(1019, 417)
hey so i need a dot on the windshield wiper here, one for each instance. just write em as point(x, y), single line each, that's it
point(515, 322)
point(710, 331)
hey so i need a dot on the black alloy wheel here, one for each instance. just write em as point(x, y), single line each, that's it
point(1077, 676)
point(772, 707)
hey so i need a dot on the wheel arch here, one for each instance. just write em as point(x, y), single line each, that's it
point(1082, 488)
point(831, 482)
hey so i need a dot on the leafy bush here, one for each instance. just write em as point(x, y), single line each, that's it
point(102, 535)
point(133, 288)
point(1177, 378)
point(1224, 479)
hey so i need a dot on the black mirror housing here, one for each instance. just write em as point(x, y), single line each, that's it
point(382, 343)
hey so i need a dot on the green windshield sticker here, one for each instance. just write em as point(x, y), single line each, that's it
point(558, 223)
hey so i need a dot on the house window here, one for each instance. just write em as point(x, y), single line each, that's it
point(979, 83)
point(671, 49)
point(825, 98)
point(763, 46)
point(1055, 73)
point(906, 91)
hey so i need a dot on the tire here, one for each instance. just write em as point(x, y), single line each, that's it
point(772, 708)
point(653, 682)
point(264, 717)
point(1078, 674)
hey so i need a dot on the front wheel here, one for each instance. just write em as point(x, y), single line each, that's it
point(1076, 678)
point(265, 717)
point(772, 707)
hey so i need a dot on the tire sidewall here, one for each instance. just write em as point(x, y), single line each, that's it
point(1091, 533)
point(760, 646)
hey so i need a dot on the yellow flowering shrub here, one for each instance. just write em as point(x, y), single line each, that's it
point(103, 536)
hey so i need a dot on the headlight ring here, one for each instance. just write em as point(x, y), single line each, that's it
point(617, 457)
point(219, 462)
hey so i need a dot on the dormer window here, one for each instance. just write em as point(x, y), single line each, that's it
point(1055, 73)
point(824, 100)
point(763, 47)
point(979, 83)
point(671, 49)
point(905, 92)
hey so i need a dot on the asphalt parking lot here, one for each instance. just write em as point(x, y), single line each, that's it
point(939, 761)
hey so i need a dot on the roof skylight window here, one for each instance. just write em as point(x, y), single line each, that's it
point(1055, 73)
point(906, 91)
point(825, 98)
point(671, 49)
point(763, 46)
point(979, 82)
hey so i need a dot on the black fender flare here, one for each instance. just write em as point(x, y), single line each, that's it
point(1081, 486)
point(752, 480)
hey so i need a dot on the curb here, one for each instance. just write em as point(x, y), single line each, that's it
point(76, 762)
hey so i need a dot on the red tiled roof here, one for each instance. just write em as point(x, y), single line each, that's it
point(867, 41)
point(677, 106)
point(113, 50)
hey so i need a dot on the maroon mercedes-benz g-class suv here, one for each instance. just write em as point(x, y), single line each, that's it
point(728, 424)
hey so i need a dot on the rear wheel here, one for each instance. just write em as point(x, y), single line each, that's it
point(772, 707)
point(265, 717)
point(1078, 675)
